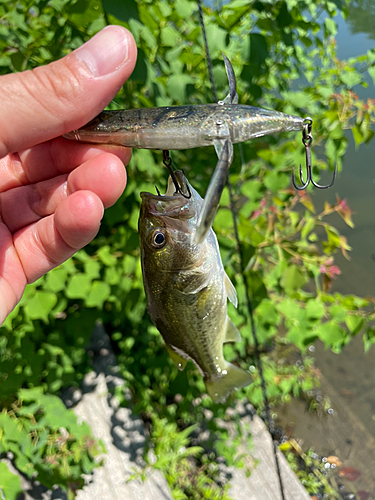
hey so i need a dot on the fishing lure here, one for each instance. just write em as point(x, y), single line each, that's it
point(191, 126)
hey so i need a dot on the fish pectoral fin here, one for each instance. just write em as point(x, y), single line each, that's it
point(232, 334)
point(201, 279)
point(204, 303)
point(231, 291)
point(177, 359)
point(232, 378)
point(215, 189)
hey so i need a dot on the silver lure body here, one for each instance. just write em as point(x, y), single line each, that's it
point(184, 127)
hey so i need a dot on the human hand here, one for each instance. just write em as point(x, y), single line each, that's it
point(53, 191)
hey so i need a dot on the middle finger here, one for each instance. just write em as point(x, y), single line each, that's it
point(104, 175)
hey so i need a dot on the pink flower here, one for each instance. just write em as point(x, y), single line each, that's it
point(331, 271)
point(256, 214)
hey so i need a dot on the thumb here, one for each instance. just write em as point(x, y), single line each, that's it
point(51, 100)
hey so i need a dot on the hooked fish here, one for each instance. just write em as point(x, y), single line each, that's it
point(187, 288)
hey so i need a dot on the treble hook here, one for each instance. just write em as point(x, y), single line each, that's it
point(307, 140)
point(167, 160)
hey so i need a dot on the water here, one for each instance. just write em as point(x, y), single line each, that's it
point(352, 373)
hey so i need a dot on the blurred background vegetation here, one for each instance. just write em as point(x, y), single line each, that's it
point(283, 54)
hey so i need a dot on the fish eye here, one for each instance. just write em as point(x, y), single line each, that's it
point(158, 239)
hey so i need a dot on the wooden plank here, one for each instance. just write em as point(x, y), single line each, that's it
point(263, 482)
point(121, 431)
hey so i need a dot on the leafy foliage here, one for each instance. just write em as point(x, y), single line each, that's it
point(10, 484)
point(46, 442)
point(283, 54)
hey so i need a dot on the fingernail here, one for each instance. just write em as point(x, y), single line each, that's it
point(106, 51)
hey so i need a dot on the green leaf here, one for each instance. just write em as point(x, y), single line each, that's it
point(124, 11)
point(257, 289)
point(176, 86)
point(55, 279)
point(79, 286)
point(330, 333)
point(268, 313)
point(18, 61)
point(283, 18)
point(315, 309)
point(10, 484)
point(252, 189)
point(354, 324)
point(99, 293)
point(258, 49)
point(351, 78)
point(105, 255)
point(140, 71)
point(223, 220)
point(292, 279)
point(308, 227)
point(40, 305)
point(248, 251)
point(301, 337)
point(112, 276)
point(369, 338)
point(372, 73)
point(185, 8)
point(83, 12)
point(92, 269)
point(330, 26)
point(216, 37)
point(170, 36)
point(276, 181)
point(338, 312)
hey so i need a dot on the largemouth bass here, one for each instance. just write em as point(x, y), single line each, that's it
point(187, 287)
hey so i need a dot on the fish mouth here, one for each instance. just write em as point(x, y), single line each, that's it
point(171, 204)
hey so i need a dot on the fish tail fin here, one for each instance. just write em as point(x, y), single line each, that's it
point(219, 388)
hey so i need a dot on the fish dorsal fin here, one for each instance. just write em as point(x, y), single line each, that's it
point(178, 360)
point(232, 334)
point(231, 291)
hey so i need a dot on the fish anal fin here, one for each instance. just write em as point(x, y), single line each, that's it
point(232, 334)
point(232, 378)
point(177, 359)
point(231, 291)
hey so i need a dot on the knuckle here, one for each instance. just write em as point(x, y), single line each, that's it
point(57, 83)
